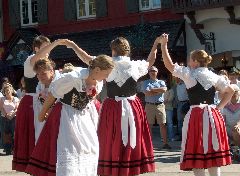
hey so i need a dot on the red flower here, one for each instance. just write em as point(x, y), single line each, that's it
point(94, 92)
point(91, 91)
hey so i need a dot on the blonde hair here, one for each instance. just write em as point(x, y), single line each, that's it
point(6, 86)
point(44, 64)
point(104, 62)
point(202, 57)
point(68, 67)
point(121, 46)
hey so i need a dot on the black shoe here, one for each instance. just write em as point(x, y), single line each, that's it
point(166, 146)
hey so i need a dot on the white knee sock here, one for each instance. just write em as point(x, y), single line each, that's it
point(199, 172)
point(214, 171)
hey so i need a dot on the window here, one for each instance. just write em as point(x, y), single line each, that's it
point(86, 8)
point(149, 4)
point(29, 11)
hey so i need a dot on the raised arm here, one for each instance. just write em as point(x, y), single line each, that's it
point(43, 52)
point(46, 106)
point(165, 54)
point(152, 55)
point(85, 57)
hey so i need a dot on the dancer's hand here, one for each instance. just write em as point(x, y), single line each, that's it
point(164, 38)
point(69, 43)
point(42, 117)
point(158, 40)
point(60, 41)
point(219, 107)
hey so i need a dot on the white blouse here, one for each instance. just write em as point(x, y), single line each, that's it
point(202, 75)
point(126, 68)
point(68, 81)
point(28, 68)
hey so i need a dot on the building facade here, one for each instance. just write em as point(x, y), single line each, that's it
point(213, 26)
point(92, 24)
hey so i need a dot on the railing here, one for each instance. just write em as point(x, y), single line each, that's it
point(182, 6)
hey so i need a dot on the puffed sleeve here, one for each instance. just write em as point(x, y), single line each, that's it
point(139, 68)
point(221, 82)
point(67, 82)
point(181, 72)
point(28, 68)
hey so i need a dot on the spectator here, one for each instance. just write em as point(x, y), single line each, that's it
point(8, 106)
point(217, 97)
point(233, 77)
point(231, 112)
point(21, 90)
point(168, 101)
point(182, 98)
point(155, 108)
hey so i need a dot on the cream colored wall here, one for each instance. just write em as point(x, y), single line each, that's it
point(216, 20)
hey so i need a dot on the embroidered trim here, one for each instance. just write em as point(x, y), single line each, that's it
point(132, 161)
point(42, 167)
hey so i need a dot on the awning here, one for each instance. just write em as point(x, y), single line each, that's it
point(141, 38)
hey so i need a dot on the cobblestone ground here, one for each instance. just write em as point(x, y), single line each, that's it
point(167, 162)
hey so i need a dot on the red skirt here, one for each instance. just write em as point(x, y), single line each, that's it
point(24, 138)
point(194, 156)
point(114, 157)
point(43, 159)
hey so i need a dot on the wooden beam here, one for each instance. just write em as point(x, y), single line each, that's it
point(196, 27)
point(231, 13)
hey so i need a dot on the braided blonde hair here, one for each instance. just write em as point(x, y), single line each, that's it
point(121, 46)
point(104, 62)
point(202, 57)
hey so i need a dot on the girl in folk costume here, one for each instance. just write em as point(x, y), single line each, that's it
point(204, 137)
point(68, 144)
point(68, 67)
point(124, 137)
point(8, 107)
point(24, 140)
point(46, 74)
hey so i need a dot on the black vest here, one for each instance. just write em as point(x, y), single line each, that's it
point(78, 100)
point(129, 88)
point(30, 84)
point(197, 94)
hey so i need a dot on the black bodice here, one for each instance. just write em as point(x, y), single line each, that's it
point(128, 89)
point(197, 94)
point(30, 84)
point(78, 100)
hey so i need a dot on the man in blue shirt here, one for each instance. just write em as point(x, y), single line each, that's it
point(153, 90)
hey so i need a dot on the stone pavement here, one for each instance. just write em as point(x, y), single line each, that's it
point(167, 162)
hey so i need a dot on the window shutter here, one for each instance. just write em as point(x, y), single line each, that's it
point(70, 10)
point(42, 11)
point(132, 6)
point(101, 8)
point(165, 4)
point(14, 13)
